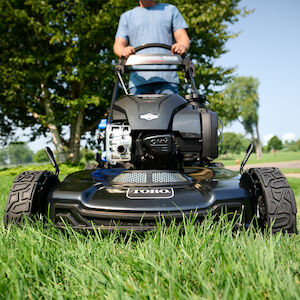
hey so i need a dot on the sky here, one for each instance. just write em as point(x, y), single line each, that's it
point(267, 48)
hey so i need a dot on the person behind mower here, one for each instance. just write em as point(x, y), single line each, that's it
point(152, 22)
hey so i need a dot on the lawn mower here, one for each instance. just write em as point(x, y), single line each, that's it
point(157, 164)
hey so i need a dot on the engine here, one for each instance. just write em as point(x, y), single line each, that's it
point(118, 143)
point(160, 132)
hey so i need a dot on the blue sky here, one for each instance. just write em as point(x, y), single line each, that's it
point(267, 48)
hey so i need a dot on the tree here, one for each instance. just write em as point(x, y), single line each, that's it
point(274, 143)
point(87, 155)
point(233, 143)
point(290, 145)
point(51, 69)
point(56, 61)
point(40, 156)
point(298, 144)
point(3, 156)
point(16, 153)
point(241, 103)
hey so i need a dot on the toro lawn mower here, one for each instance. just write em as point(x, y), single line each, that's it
point(157, 162)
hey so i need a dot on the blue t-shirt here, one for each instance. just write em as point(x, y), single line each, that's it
point(154, 24)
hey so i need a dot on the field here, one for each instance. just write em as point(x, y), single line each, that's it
point(207, 261)
point(230, 159)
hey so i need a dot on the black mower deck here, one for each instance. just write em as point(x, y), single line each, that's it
point(138, 199)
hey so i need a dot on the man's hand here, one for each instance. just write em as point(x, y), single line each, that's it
point(122, 49)
point(126, 51)
point(178, 49)
point(182, 44)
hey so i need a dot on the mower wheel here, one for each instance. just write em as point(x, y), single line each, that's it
point(28, 195)
point(275, 205)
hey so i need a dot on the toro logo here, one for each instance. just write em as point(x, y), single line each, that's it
point(150, 193)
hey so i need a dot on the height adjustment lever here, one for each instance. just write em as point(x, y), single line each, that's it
point(248, 153)
point(52, 160)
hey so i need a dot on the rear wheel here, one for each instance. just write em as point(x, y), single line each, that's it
point(274, 201)
point(28, 195)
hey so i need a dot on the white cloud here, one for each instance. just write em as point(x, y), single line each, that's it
point(268, 137)
point(289, 137)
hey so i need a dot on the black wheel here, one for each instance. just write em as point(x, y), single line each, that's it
point(274, 201)
point(28, 195)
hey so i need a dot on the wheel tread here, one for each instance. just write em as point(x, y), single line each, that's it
point(279, 199)
point(23, 195)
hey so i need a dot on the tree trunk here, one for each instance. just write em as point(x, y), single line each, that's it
point(76, 123)
point(75, 137)
point(56, 139)
point(258, 143)
point(256, 140)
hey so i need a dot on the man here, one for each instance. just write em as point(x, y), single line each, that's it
point(152, 22)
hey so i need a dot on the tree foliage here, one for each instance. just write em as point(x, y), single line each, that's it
point(16, 153)
point(40, 156)
point(233, 143)
point(298, 144)
point(86, 155)
point(274, 143)
point(241, 102)
point(290, 145)
point(56, 61)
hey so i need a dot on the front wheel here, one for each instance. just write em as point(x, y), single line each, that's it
point(28, 195)
point(273, 200)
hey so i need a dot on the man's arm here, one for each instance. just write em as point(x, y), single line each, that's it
point(182, 44)
point(122, 49)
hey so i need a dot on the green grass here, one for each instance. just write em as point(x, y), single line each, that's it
point(290, 170)
point(295, 185)
point(206, 262)
point(65, 169)
point(266, 157)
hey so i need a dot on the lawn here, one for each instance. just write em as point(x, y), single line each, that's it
point(231, 159)
point(290, 171)
point(207, 261)
point(64, 169)
point(295, 185)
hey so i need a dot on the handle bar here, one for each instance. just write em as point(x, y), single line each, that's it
point(155, 45)
point(152, 45)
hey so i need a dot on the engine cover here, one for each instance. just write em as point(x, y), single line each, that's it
point(148, 112)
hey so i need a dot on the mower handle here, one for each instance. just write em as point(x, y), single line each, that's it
point(155, 45)
point(152, 45)
point(120, 67)
point(146, 46)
